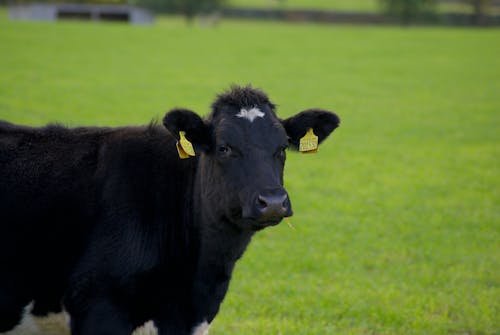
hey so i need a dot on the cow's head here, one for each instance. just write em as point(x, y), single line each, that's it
point(242, 150)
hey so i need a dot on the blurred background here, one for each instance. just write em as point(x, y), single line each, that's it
point(397, 218)
point(464, 12)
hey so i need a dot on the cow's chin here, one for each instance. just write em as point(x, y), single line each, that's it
point(256, 225)
point(252, 223)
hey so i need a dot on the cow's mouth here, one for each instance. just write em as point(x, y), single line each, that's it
point(256, 225)
point(268, 223)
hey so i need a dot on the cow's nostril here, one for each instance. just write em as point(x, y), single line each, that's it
point(272, 205)
point(262, 201)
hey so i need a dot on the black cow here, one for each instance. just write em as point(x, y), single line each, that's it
point(111, 224)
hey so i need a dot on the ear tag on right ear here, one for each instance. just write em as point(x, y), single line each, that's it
point(184, 147)
point(309, 142)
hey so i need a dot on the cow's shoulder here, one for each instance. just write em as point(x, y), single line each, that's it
point(140, 165)
point(136, 150)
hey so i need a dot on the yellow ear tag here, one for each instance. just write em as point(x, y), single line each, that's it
point(181, 152)
point(184, 147)
point(309, 142)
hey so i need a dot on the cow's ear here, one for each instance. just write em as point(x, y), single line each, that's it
point(320, 121)
point(193, 127)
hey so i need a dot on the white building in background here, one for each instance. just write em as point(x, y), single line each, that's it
point(53, 12)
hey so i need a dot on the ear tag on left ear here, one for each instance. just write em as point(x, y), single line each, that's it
point(184, 147)
point(309, 142)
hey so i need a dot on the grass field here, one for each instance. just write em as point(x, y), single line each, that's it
point(397, 218)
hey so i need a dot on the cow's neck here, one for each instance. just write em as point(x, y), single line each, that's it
point(221, 244)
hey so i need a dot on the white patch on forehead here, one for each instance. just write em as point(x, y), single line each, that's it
point(201, 329)
point(250, 114)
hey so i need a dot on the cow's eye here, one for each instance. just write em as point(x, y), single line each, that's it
point(224, 150)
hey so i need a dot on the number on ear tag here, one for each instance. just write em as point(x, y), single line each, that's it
point(184, 147)
point(309, 142)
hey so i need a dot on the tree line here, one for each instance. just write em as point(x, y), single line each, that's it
point(406, 11)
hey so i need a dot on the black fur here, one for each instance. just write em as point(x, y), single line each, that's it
point(237, 97)
point(112, 225)
point(322, 122)
point(185, 120)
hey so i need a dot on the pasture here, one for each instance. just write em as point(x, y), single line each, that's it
point(397, 218)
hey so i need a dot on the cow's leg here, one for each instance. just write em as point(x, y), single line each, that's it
point(171, 327)
point(175, 321)
point(14, 297)
point(101, 317)
point(11, 311)
point(10, 318)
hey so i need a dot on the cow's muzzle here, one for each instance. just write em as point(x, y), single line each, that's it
point(271, 206)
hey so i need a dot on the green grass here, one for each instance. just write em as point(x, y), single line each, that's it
point(397, 218)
